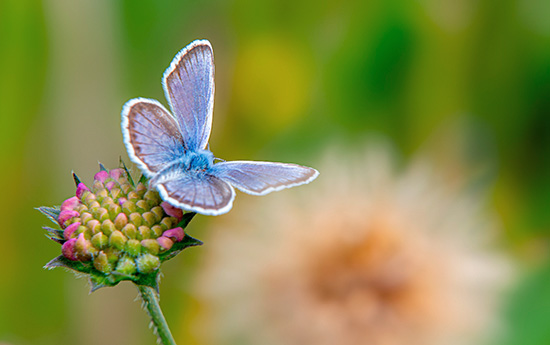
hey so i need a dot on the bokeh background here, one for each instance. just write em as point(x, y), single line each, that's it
point(465, 83)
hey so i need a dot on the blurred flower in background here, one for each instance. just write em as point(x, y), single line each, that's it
point(366, 255)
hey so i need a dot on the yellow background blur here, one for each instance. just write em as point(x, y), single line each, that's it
point(467, 82)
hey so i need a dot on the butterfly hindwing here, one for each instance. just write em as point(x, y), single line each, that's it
point(196, 191)
point(189, 87)
point(151, 135)
point(260, 178)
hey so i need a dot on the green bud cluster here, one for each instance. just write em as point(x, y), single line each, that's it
point(117, 230)
point(116, 226)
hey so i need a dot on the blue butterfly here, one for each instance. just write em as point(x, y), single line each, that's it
point(172, 150)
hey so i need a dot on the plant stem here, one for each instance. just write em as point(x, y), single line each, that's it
point(151, 302)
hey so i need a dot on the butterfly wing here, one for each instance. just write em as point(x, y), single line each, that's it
point(260, 178)
point(195, 191)
point(151, 135)
point(189, 87)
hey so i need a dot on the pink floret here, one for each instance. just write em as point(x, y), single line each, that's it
point(172, 211)
point(65, 215)
point(116, 173)
point(68, 249)
point(70, 230)
point(80, 189)
point(176, 234)
point(165, 242)
point(109, 185)
point(70, 204)
point(101, 176)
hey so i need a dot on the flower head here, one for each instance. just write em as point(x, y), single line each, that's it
point(370, 257)
point(117, 230)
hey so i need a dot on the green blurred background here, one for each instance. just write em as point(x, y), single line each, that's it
point(465, 82)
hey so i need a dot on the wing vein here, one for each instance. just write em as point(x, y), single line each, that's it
point(212, 194)
point(152, 139)
point(150, 121)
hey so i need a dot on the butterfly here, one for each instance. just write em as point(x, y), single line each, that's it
point(171, 148)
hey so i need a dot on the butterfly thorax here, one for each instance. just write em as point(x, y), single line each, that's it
point(197, 160)
point(191, 161)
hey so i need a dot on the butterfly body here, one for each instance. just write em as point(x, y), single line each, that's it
point(171, 147)
point(189, 163)
point(199, 160)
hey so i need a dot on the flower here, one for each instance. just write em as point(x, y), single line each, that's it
point(368, 257)
point(117, 230)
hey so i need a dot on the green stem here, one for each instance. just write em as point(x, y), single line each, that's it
point(151, 300)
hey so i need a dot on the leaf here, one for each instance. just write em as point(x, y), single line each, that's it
point(127, 172)
point(143, 179)
point(100, 280)
point(102, 167)
point(63, 262)
point(152, 280)
point(55, 239)
point(50, 212)
point(187, 242)
point(96, 284)
point(187, 217)
point(76, 179)
point(56, 262)
point(54, 234)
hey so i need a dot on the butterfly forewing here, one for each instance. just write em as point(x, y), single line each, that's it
point(198, 192)
point(189, 87)
point(151, 135)
point(260, 178)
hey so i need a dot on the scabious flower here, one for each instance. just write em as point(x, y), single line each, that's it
point(367, 257)
point(117, 230)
